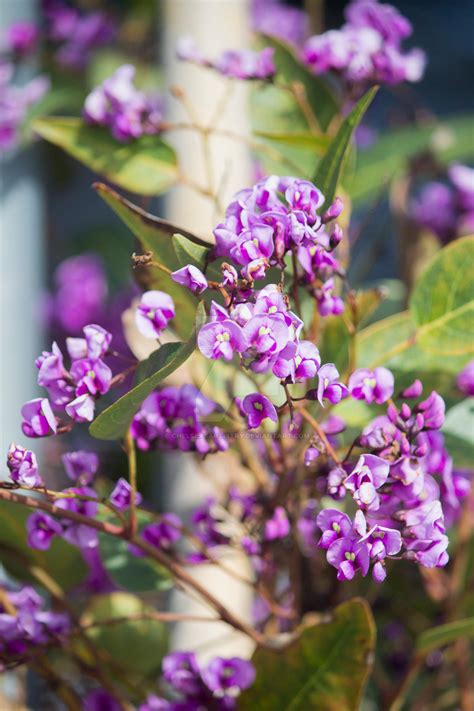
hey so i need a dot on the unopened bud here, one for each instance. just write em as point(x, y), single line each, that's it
point(392, 413)
point(333, 211)
point(335, 237)
point(413, 390)
point(405, 411)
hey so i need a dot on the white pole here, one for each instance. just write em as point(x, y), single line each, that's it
point(215, 25)
point(21, 236)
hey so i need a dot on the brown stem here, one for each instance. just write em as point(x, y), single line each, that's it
point(317, 428)
point(132, 477)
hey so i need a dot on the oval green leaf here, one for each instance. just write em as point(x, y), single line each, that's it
point(147, 166)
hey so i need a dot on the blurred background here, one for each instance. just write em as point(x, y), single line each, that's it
point(65, 258)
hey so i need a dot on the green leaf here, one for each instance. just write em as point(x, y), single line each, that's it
point(450, 139)
point(330, 167)
point(155, 235)
point(147, 165)
point(138, 645)
point(442, 635)
point(113, 422)
point(433, 341)
point(62, 562)
point(128, 571)
point(318, 144)
point(290, 70)
point(188, 252)
point(442, 302)
point(325, 669)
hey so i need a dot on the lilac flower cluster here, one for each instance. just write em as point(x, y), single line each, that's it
point(76, 34)
point(73, 391)
point(174, 418)
point(128, 112)
point(367, 49)
point(447, 208)
point(394, 488)
point(214, 686)
point(25, 625)
point(235, 64)
point(280, 215)
point(15, 102)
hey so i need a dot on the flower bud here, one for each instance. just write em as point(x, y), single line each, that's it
point(335, 237)
point(405, 411)
point(414, 390)
point(333, 211)
point(392, 413)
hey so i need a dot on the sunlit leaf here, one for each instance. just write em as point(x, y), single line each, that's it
point(330, 167)
point(147, 165)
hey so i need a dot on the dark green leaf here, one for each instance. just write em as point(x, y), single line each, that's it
point(445, 634)
point(325, 669)
point(62, 561)
point(138, 645)
point(450, 139)
point(113, 422)
point(330, 167)
point(155, 235)
point(146, 166)
point(188, 252)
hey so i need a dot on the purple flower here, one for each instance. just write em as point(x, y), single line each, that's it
point(328, 303)
point(23, 466)
point(165, 532)
point(191, 277)
point(79, 534)
point(278, 525)
point(269, 17)
point(228, 675)
point(310, 456)
point(371, 385)
point(153, 313)
point(97, 341)
point(236, 64)
point(81, 289)
point(80, 466)
point(334, 525)
point(101, 700)
point(38, 418)
point(82, 408)
point(329, 386)
point(22, 37)
point(414, 390)
point(465, 379)
point(369, 474)
point(219, 339)
point(267, 334)
point(41, 530)
point(92, 377)
point(121, 496)
point(181, 671)
point(258, 407)
point(349, 555)
point(333, 211)
point(433, 409)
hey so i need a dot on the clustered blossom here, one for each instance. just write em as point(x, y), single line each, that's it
point(25, 625)
point(15, 100)
point(128, 112)
point(400, 503)
point(276, 216)
point(174, 418)
point(213, 686)
point(23, 466)
point(76, 34)
point(367, 49)
point(235, 64)
point(447, 208)
point(20, 38)
point(74, 391)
